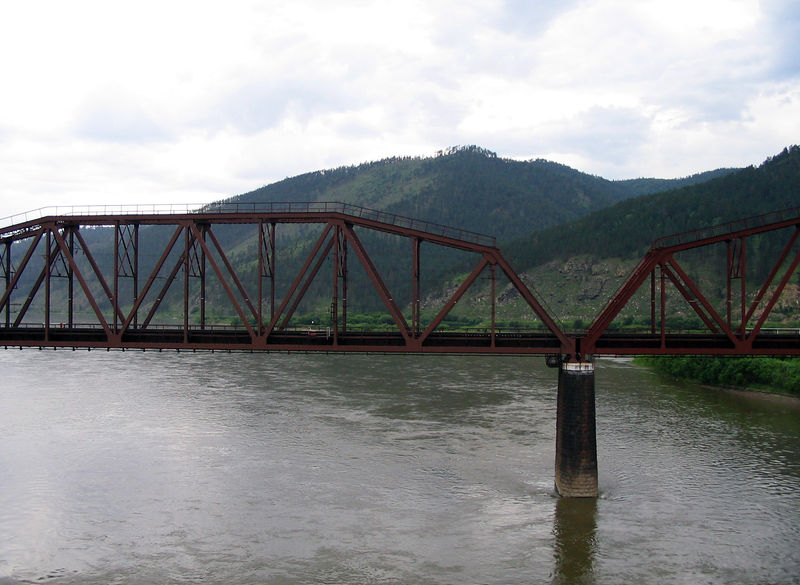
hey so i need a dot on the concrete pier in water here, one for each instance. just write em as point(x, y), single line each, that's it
point(576, 442)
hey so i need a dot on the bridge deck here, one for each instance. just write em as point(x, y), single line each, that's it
point(323, 340)
point(309, 340)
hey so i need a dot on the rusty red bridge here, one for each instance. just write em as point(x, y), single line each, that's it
point(128, 268)
point(50, 268)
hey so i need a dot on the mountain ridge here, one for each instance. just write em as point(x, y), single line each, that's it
point(470, 188)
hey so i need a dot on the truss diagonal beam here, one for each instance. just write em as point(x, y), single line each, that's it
point(774, 299)
point(21, 268)
point(38, 283)
point(688, 296)
point(293, 288)
point(237, 307)
point(636, 278)
point(381, 287)
point(230, 270)
point(468, 282)
point(151, 279)
point(768, 282)
point(82, 281)
point(308, 279)
point(167, 285)
point(702, 299)
point(567, 344)
point(99, 275)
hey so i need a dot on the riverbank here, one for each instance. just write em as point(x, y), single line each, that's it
point(788, 400)
point(776, 379)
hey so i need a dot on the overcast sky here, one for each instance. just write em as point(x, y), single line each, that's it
point(193, 101)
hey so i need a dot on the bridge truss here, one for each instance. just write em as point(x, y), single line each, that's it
point(110, 263)
point(125, 297)
point(735, 328)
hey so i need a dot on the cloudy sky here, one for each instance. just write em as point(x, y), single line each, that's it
point(192, 101)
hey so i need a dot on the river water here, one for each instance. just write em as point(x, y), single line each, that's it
point(144, 468)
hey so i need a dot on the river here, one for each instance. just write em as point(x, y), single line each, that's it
point(143, 468)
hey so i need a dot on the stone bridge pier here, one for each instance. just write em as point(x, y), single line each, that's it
point(576, 442)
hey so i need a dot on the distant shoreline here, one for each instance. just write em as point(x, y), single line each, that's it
point(761, 395)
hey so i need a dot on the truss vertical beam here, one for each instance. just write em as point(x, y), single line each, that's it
point(337, 253)
point(663, 309)
point(187, 243)
point(415, 287)
point(266, 269)
point(48, 265)
point(652, 302)
point(6, 261)
point(743, 277)
point(71, 283)
point(728, 288)
point(135, 268)
point(115, 294)
point(343, 277)
point(492, 268)
point(203, 290)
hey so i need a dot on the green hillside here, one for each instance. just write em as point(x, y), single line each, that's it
point(470, 188)
point(578, 265)
point(466, 187)
point(627, 228)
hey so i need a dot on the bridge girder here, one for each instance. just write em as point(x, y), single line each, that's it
point(35, 253)
point(194, 250)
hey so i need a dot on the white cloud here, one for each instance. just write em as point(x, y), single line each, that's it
point(194, 101)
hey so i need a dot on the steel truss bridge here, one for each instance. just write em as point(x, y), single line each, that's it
point(52, 264)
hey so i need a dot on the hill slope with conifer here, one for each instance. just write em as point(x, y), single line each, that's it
point(578, 265)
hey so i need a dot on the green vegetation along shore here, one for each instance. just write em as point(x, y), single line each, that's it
point(780, 375)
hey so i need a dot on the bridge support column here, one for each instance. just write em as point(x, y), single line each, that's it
point(576, 443)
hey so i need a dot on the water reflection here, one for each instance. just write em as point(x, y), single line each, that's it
point(574, 528)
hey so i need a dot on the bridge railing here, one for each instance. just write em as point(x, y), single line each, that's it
point(115, 209)
point(321, 207)
point(727, 228)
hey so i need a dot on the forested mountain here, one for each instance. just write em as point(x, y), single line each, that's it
point(627, 229)
point(469, 188)
point(577, 266)
point(466, 187)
